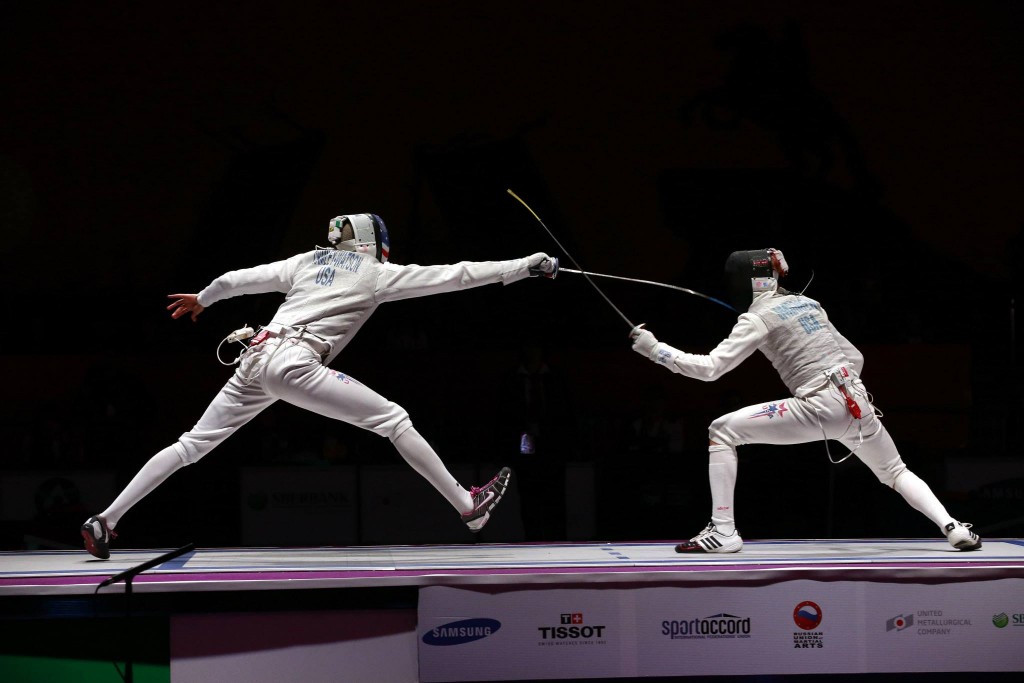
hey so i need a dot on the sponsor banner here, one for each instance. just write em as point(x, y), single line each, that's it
point(792, 627)
point(948, 627)
point(468, 636)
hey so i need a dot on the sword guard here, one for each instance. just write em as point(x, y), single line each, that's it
point(548, 268)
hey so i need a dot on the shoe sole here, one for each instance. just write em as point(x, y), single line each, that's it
point(694, 549)
point(90, 544)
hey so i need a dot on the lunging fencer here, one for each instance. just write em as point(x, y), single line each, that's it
point(829, 401)
point(329, 294)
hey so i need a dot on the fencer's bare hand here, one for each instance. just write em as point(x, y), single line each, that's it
point(184, 303)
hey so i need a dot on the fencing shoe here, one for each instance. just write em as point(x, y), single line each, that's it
point(484, 500)
point(97, 537)
point(711, 540)
point(961, 537)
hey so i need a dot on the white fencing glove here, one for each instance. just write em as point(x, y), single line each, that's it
point(644, 341)
point(542, 264)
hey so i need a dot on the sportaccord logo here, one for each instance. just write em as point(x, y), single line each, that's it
point(463, 631)
point(714, 627)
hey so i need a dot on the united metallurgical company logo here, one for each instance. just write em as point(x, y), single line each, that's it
point(935, 622)
point(717, 626)
point(807, 615)
point(462, 631)
point(898, 623)
point(572, 629)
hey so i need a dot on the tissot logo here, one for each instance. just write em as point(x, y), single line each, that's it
point(459, 632)
point(574, 630)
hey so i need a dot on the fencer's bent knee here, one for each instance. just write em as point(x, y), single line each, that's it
point(892, 475)
point(401, 427)
point(718, 434)
point(184, 454)
point(879, 453)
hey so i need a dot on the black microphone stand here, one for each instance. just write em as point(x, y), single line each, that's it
point(127, 577)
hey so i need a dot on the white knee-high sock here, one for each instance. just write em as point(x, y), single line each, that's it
point(418, 453)
point(152, 474)
point(920, 496)
point(722, 467)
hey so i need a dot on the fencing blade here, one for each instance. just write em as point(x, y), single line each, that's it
point(684, 290)
point(580, 271)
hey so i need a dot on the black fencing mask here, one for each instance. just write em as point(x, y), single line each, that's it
point(749, 273)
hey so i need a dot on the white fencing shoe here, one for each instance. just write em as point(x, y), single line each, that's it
point(711, 540)
point(961, 537)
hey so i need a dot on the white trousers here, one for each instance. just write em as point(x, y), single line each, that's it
point(818, 413)
point(291, 371)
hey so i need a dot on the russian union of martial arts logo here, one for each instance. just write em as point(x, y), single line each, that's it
point(808, 615)
point(771, 410)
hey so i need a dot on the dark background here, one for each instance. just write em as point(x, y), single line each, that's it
point(145, 150)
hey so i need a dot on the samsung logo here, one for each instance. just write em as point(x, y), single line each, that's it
point(459, 632)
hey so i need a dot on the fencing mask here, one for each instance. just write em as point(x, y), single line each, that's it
point(364, 233)
point(749, 273)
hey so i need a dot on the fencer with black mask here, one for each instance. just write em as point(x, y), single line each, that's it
point(329, 294)
point(820, 367)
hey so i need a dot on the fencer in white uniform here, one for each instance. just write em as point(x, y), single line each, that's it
point(829, 401)
point(329, 294)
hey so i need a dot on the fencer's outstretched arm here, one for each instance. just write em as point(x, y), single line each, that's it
point(185, 303)
point(270, 277)
point(746, 336)
point(404, 282)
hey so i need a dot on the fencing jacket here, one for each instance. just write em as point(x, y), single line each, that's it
point(791, 330)
point(333, 292)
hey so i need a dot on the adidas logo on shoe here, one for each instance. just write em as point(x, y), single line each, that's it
point(711, 540)
point(961, 537)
